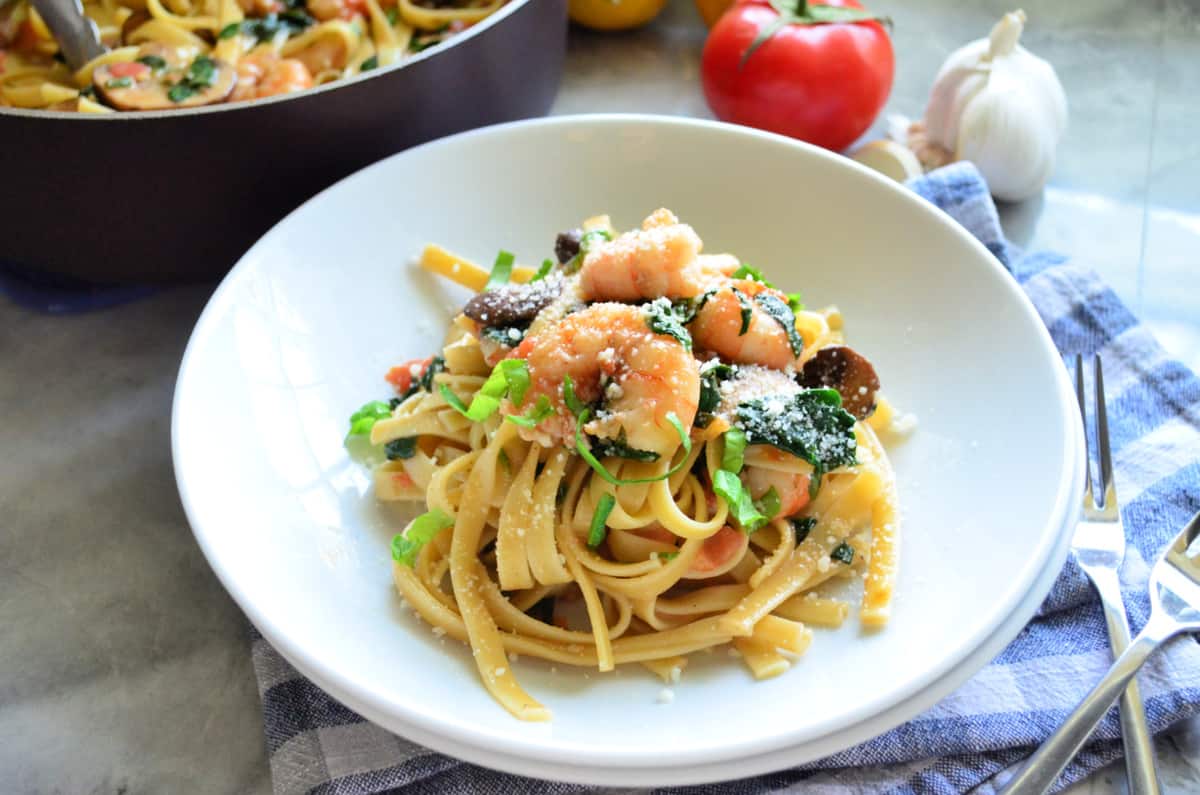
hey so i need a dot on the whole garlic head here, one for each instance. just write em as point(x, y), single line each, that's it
point(999, 106)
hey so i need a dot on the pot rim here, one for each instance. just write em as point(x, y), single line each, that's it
point(506, 11)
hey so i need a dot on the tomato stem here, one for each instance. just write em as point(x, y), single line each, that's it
point(799, 12)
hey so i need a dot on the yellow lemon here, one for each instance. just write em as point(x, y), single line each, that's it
point(614, 14)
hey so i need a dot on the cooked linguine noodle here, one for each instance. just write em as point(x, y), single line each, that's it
point(168, 54)
point(633, 454)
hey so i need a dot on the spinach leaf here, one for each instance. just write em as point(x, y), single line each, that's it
point(782, 314)
point(843, 552)
point(811, 425)
point(747, 310)
point(711, 377)
point(405, 447)
point(617, 448)
point(802, 527)
point(663, 318)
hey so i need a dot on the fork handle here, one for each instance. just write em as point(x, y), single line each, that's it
point(1040, 772)
point(1135, 735)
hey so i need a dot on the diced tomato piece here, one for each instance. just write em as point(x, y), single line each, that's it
point(401, 376)
point(129, 69)
point(403, 479)
point(354, 8)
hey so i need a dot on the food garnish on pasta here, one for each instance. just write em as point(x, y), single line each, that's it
point(655, 436)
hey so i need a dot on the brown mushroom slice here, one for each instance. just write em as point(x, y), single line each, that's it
point(160, 81)
point(846, 370)
point(513, 304)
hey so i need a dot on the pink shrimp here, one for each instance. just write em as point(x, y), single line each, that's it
point(719, 553)
point(265, 74)
point(718, 327)
point(609, 352)
point(660, 259)
point(792, 487)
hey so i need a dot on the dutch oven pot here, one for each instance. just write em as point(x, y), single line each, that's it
point(180, 195)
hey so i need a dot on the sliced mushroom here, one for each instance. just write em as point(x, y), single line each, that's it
point(846, 370)
point(566, 245)
point(513, 304)
point(161, 79)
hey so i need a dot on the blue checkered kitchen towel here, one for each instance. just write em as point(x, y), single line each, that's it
point(992, 721)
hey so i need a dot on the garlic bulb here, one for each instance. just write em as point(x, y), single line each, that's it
point(999, 106)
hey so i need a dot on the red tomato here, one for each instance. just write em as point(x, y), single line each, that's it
point(129, 69)
point(401, 376)
point(823, 83)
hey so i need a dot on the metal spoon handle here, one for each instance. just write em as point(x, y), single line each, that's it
point(1044, 767)
point(77, 35)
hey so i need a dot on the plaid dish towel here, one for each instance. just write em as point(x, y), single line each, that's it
point(996, 718)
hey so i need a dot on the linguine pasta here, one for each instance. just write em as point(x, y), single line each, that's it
point(631, 455)
point(167, 54)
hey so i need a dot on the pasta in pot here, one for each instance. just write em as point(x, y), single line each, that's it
point(654, 435)
point(169, 54)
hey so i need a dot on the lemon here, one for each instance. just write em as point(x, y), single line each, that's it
point(614, 14)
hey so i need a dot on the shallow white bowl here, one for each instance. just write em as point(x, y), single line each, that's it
point(303, 328)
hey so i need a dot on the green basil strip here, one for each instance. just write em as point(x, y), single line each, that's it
point(769, 504)
point(574, 404)
point(365, 418)
point(516, 375)
point(422, 530)
point(453, 400)
point(735, 447)
point(741, 507)
point(595, 464)
point(598, 532)
point(544, 271)
point(501, 270)
point(745, 271)
point(539, 412)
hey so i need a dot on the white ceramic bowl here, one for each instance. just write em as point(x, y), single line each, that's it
point(303, 328)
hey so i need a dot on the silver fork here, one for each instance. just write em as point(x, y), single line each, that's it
point(1098, 546)
point(1175, 608)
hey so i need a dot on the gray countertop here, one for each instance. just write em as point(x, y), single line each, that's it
point(124, 667)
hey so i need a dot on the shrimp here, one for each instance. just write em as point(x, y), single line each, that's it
point(718, 327)
point(322, 55)
point(265, 74)
point(719, 553)
point(325, 10)
point(660, 259)
point(261, 7)
point(612, 355)
point(792, 487)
